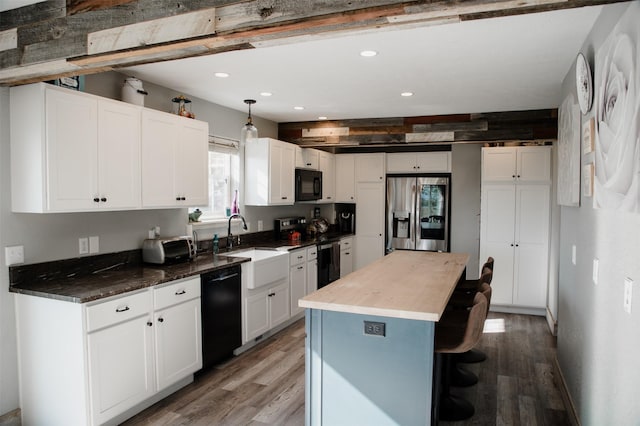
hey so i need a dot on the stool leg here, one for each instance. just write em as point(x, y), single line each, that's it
point(452, 408)
point(460, 376)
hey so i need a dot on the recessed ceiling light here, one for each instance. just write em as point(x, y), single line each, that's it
point(406, 94)
point(266, 94)
point(299, 108)
point(221, 74)
point(322, 117)
point(368, 53)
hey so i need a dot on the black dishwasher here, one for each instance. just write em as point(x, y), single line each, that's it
point(221, 315)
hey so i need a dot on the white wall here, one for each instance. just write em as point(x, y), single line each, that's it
point(598, 343)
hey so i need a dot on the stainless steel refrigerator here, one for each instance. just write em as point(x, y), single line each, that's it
point(418, 214)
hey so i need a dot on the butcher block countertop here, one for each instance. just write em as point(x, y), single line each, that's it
point(404, 284)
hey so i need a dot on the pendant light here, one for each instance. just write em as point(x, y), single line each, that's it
point(249, 131)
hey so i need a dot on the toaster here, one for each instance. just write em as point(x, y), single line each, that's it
point(168, 250)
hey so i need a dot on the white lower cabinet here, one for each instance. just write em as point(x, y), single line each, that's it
point(266, 308)
point(103, 361)
point(312, 269)
point(297, 278)
point(346, 256)
point(120, 367)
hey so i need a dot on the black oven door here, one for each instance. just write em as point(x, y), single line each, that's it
point(308, 185)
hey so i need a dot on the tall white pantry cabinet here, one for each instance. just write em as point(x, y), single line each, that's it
point(515, 223)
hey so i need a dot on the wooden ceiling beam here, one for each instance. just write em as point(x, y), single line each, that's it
point(62, 37)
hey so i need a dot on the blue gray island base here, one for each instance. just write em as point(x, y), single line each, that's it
point(353, 378)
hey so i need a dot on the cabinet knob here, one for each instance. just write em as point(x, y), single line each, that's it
point(103, 199)
point(511, 244)
point(96, 200)
point(284, 198)
point(517, 245)
point(513, 176)
point(160, 319)
point(177, 198)
point(518, 176)
point(149, 323)
point(300, 267)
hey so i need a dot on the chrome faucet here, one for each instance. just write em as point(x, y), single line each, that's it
point(229, 235)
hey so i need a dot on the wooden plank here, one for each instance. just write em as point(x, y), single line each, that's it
point(31, 14)
point(8, 39)
point(431, 119)
point(495, 135)
point(187, 25)
point(430, 137)
point(79, 6)
point(437, 127)
point(325, 131)
point(379, 130)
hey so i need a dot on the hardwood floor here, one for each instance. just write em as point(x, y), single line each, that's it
point(265, 385)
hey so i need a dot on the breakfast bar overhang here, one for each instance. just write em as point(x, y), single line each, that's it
point(370, 340)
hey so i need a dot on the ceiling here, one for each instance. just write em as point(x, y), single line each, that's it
point(488, 65)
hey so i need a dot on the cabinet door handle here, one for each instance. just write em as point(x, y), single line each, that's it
point(160, 319)
point(271, 294)
point(103, 199)
point(517, 245)
point(149, 323)
point(96, 200)
point(226, 277)
point(347, 253)
point(518, 176)
point(125, 309)
point(511, 244)
point(181, 292)
point(300, 267)
point(513, 176)
point(177, 198)
point(284, 198)
point(183, 198)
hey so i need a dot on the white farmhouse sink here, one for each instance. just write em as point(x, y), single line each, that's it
point(266, 266)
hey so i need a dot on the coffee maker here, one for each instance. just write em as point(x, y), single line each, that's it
point(346, 218)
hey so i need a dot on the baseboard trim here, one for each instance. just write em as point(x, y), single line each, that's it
point(276, 329)
point(518, 310)
point(572, 413)
point(11, 416)
point(552, 323)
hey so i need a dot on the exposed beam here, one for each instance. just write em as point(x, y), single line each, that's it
point(59, 37)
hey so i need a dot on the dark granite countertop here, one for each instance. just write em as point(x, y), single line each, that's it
point(86, 279)
point(81, 288)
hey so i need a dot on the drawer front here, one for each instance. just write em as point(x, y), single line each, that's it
point(176, 292)
point(346, 243)
point(297, 257)
point(117, 310)
point(312, 253)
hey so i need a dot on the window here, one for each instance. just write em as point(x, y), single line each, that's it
point(224, 163)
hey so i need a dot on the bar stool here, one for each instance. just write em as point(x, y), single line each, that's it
point(452, 338)
point(460, 376)
point(474, 285)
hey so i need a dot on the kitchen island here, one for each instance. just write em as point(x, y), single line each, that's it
point(370, 340)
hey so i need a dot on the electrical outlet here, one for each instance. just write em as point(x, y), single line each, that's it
point(374, 328)
point(94, 244)
point(14, 255)
point(628, 287)
point(596, 266)
point(260, 225)
point(573, 254)
point(83, 245)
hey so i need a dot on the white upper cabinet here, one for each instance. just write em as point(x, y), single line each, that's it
point(369, 167)
point(419, 162)
point(522, 164)
point(118, 154)
point(174, 160)
point(345, 178)
point(310, 158)
point(72, 152)
point(328, 169)
point(269, 172)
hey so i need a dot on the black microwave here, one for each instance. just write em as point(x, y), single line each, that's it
point(308, 185)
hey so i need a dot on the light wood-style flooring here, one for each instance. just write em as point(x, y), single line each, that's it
point(265, 385)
